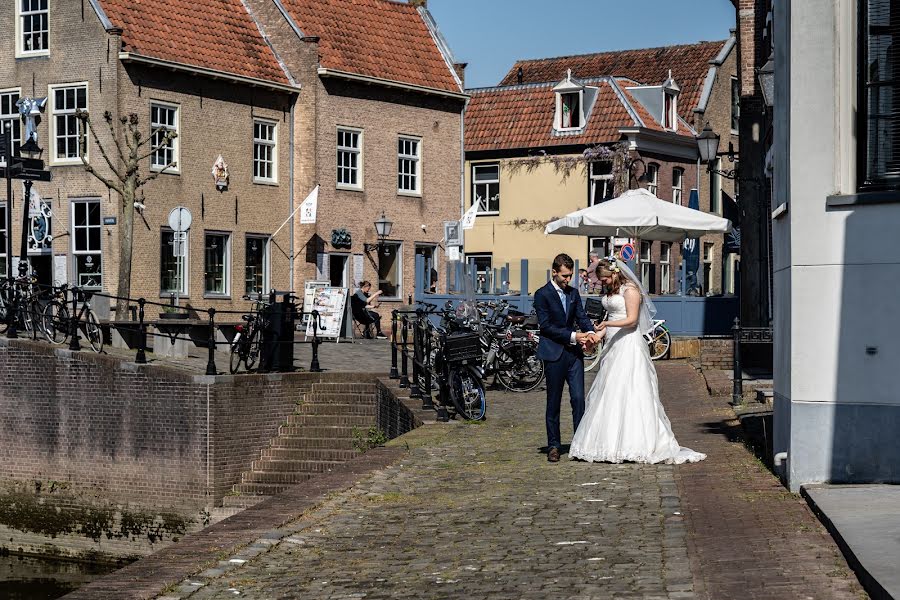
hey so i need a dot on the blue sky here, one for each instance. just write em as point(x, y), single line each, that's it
point(492, 34)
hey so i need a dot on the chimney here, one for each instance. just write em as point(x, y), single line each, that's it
point(419, 3)
point(519, 76)
point(460, 69)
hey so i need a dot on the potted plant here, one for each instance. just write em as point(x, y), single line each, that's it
point(173, 312)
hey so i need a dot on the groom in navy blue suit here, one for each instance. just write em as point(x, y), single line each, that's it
point(559, 311)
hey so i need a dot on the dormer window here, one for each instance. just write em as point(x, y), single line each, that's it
point(671, 90)
point(569, 104)
point(670, 118)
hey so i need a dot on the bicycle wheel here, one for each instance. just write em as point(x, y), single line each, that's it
point(467, 394)
point(519, 369)
point(55, 322)
point(236, 358)
point(660, 342)
point(92, 331)
point(592, 358)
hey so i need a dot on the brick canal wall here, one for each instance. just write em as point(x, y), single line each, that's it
point(129, 456)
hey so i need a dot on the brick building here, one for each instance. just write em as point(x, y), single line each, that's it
point(650, 100)
point(291, 94)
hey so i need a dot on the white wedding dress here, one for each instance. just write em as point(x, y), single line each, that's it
point(624, 419)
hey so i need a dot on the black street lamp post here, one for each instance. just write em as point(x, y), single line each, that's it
point(383, 227)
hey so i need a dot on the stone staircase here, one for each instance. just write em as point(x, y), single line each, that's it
point(326, 430)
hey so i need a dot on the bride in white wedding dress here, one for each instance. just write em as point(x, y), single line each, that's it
point(624, 419)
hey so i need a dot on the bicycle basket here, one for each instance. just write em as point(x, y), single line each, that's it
point(460, 347)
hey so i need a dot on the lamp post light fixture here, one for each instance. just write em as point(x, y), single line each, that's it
point(708, 145)
point(383, 228)
point(766, 76)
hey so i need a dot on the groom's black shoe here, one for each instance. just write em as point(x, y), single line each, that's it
point(553, 455)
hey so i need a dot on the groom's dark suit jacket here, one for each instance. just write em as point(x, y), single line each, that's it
point(557, 326)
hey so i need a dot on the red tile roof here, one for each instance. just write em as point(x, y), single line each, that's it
point(211, 34)
point(522, 117)
point(650, 66)
point(376, 38)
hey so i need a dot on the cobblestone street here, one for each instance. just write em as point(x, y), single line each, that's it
point(475, 510)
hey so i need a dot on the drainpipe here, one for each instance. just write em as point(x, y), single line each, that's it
point(780, 458)
point(291, 193)
point(462, 160)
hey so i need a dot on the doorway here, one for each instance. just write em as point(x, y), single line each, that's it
point(338, 269)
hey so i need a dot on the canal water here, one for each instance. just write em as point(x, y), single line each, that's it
point(30, 578)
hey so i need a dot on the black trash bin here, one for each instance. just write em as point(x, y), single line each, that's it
point(277, 348)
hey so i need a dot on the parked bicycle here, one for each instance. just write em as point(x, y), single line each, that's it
point(510, 349)
point(455, 359)
point(56, 320)
point(246, 343)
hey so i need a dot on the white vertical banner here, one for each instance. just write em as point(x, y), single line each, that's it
point(357, 270)
point(60, 269)
point(308, 207)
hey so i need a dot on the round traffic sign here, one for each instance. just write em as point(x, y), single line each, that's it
point(627, 252)
point(180, 219)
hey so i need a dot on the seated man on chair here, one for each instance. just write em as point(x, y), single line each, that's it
point(361, 304)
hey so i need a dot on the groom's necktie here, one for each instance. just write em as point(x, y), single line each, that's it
point(562, 298)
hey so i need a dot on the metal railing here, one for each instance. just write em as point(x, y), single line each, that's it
point(744, 335)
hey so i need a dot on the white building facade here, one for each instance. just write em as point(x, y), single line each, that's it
point(836, 217)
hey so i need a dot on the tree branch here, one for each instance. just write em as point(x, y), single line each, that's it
point(155, 174)
point(112, 132)
point(167, 137)
point(85, 118)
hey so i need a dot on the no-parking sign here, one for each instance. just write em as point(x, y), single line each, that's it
point(627, 252)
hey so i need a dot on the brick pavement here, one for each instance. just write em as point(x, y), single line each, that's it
point(749, 536)
point(475, 510)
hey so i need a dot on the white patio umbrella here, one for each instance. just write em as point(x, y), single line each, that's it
point(641, 215)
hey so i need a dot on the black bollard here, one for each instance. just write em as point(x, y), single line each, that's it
point(414, 391)
point(427, 403)
point(404, 380)
point(737, 388)
point(314, 363)
point(211, 361)
point(13, 311)
point(394, 373)
point(74, 345)
point(141, 358)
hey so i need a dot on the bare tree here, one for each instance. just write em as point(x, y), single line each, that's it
point(126, 180)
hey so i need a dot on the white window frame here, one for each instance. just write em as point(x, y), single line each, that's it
point(358, 151)
point(184, 292)
point(174, 144)
point(707, 258)
point(605, 179)
point(397, 249)
point(272, 144)
point(416, 162)
point(653, 178)
point(559, 111)
point(75, 251)
point(12, 117)
point(729, 277)
point(677, 190)
point(21, 52)
point(665, 268)
point(488, 183)
point(488, 274)
point(646, 261)
point(54, 112)
point(267, 260)
point(226, 266)
point(670, 111)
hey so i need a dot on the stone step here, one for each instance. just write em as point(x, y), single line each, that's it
point(273, 465)
point(318, 431)
point(320, 443)
point(275, 477)
point(308, 454)
point(332, 420)
point(241, 501)
point(261, 489)
point(336, 409)
point(338, 398)
point(345, 388)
